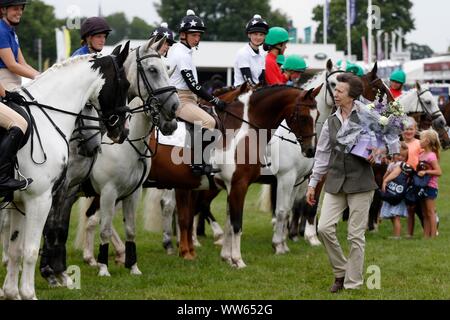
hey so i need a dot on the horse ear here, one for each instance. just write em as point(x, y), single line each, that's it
point(329, 65)
point(157, 45)
point(309, 93)
point(116, 50)
point(418, 87)
point(150, 44)
point(124, 53)
point(316, 91)
point(375, 68)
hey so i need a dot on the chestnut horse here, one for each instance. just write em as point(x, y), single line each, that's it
point(266, 108)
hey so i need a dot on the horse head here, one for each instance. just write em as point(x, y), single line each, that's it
point(374, 86)
point(302, 120)
point(151, 84)
point(113, 95)
point(428, 104)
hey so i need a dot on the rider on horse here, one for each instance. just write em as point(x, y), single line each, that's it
point(354, 68)
point(249, 63)
point(294, 66)
point(94, 32)
point(185, 79)
point(398, 79)
point(275, 44)
point(12, 67)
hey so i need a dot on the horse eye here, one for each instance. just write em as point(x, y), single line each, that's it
point(333, 85)
point(428, 102)
point(153, 70)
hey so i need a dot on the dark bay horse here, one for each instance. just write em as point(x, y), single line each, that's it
point(264, 109)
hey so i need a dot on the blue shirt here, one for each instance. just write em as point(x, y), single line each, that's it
point(81, 51)
point(8, 39)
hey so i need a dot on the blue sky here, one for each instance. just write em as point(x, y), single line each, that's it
point(432, 16)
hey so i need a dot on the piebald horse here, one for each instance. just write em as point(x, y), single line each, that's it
point(62, 92)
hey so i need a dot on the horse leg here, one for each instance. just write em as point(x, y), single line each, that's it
point(185, 221)
point(5, 237)
point(294, 221)
point(195, 241)
point(216, 229)
point(225, 253)
point(236, 199)
point(129, 213)
point(273, 199)
point(89, 234)
point(15, 234)
point(107, 209)
point(119, 247)
point(285, 193)
point(37, 210)
point(310, 224)
point(167, 211)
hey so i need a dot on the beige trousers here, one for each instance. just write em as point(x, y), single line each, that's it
point(9, 118)
point(9, 80)
point(331, 213)
point(191, 112)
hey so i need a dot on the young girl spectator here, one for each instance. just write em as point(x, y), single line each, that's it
point(429, 141)
point(414, 149)
point(389, 211)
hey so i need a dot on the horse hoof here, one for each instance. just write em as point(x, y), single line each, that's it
point(103, 270)
point(64, 280)
point(286, 248)
point(279, 249)
point(91, 262)
point(53, 282)
point(197, 243)
point(135, 270)
point(227, 259)
point(2, 295)
point(28, 297)
point(219, 242)
point(170, 251)
point(239, 264)
point(314, 242)
point(188, 257)
point(295, 239)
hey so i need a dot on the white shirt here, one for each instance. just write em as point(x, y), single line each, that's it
point(180, 58)
point(248, 58)
point(323, 149)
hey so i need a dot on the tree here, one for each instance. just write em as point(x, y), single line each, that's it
point(139, 29)
point(38, 21)
point(120, 27)
point(394, 15)
point(419, 51)
point(225, 19)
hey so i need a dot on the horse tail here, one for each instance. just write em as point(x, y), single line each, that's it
point(84, 205)
point(152, 210)
point(264, 201)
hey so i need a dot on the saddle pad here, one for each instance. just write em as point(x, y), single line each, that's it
point(177, 139)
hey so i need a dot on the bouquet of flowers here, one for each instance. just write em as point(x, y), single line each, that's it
point(380, 125)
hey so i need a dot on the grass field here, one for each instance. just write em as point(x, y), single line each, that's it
point(410, 269)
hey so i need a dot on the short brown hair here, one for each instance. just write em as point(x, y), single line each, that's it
point(354, 82)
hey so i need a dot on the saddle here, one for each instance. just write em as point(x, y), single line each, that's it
point(210, 111)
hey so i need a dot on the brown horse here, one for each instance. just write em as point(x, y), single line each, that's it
point(264, 109)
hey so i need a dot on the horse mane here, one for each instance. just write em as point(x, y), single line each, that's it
point(276, 86)
point(313, 79)
point(59, 65)
point(223, 90)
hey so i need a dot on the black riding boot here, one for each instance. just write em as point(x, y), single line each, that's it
point(205, 168)
point(8, 150)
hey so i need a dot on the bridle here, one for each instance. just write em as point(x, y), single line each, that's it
point(152, 104)
point(329, 90)
point(433, 115)
point(295, 118)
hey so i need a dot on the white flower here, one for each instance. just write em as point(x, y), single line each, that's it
point(371, 106)
point(383, 120)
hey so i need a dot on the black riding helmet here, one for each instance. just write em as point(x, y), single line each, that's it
point(191, 23)
point(8, 3)
point(257, 24)
point(163, 31)
point(93, 26)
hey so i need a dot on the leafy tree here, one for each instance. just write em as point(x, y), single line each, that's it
point(394, 15)
point(225, 19)
point(120, 27)
point(139, 29)
point(38, 21)
point(419, 51)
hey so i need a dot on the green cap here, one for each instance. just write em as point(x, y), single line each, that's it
point(355, 69)
point(398, 76)
point(280, 59)
point(276, 35)
point(295, 63)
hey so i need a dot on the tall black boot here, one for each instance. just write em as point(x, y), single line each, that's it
point(9, 147)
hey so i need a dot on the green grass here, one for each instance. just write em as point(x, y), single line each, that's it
point(410, 269)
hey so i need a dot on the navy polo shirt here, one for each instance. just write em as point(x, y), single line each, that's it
point(81, 51)
point(8, 39)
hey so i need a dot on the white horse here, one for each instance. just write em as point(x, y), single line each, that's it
point(67, 87)
point(120, 170)
point(421, 100)
point(293, 167)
